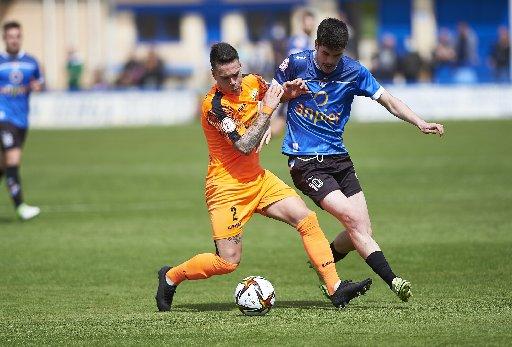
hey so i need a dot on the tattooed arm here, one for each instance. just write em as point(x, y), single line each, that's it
point(252, 137)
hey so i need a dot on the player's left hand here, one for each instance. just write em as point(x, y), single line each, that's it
point(295, 88)
point(265, 140)
point(431, 128)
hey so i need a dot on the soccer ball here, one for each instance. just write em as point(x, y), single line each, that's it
point(255, 296)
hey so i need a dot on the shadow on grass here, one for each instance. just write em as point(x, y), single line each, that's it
point(229, 306)
point(7, 220)
point(293, 304)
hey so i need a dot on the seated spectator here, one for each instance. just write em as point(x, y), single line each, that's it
point(500, 56)
point(154, 71)
point(131, 74)
point(410, 63)
point(444, 58)
point(98, 80)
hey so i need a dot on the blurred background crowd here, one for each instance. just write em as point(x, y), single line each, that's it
point(102, 45)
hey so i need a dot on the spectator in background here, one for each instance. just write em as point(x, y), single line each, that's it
point(297, 43)
point(303, 41)
point(279, 44)
point(74, 68)
point(131, 74)
point(98, 80)
point(467, 58)
point(466, 45)
point(385, 62)
point(500, 56)
point(351, 50)
point(154, 71)
point(411, 62)
point(444, 57)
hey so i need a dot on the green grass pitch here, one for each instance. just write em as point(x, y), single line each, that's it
point(118, 204)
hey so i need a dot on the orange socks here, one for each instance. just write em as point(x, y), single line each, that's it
point(318, 250)
point(200, 267)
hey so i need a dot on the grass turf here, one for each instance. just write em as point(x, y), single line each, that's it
point(117, 204)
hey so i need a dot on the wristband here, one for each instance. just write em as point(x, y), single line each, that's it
point(267, 110)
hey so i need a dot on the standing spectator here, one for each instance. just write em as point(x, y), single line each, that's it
point(74, 68)
point(298, 43)
point(279, 44)
point(385, 62)
point(154, 71)
point(303, 41)
point(467, 58)
point(500, 56)
point(466, 45)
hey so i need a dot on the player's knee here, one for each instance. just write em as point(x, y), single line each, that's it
point(231, 256)
point(299, 213)
point(355, 224)
point(227, 266)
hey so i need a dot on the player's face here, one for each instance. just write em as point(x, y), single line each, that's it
point(327, 58)
point(229, 77)
point(12, 39)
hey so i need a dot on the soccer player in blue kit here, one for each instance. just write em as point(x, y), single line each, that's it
point(19, 76)
point(326, 82)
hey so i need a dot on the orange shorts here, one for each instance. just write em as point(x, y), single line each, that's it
point(240, 200)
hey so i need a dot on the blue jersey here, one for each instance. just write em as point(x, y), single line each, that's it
point(316, 120)
point(16, 72)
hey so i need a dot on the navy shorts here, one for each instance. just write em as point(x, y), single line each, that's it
point(317, 176)
point(11, 136)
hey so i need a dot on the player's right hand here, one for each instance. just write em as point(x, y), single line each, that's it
point(431, 128)
point(273, 96)
point(294, 88)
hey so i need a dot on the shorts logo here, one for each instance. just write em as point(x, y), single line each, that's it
point(315, 183)
point(284, 64)
point(7, 139)
point(228, 125)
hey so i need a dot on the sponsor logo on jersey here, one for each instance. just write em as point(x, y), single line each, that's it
point(254, 94)
point(16, 76)
point(317, 116)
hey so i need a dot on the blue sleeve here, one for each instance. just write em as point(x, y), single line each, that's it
point(284, 71)
point(367, 85)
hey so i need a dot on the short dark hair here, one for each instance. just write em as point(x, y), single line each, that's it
point(222, 53)
point(11, 24)
point(332, 33)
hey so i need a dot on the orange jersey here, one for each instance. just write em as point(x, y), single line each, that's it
point(225, 119)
